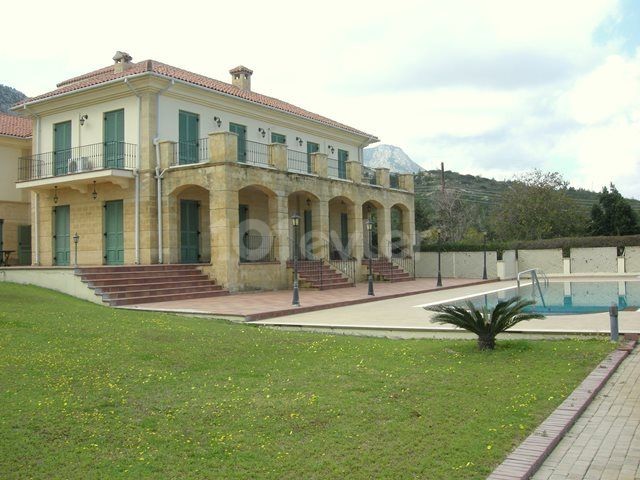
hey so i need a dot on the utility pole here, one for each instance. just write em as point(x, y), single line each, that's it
point(442, 176)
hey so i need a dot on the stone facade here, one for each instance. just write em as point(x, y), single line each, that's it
point(266, 189)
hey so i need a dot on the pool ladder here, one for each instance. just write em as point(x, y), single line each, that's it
point(535, 282)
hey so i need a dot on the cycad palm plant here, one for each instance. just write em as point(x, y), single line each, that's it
point(484, 322)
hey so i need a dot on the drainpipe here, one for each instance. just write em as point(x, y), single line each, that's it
point(159, 174)
point(136, 176)
point(36, 213)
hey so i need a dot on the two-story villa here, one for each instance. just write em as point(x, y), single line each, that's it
point(15, 223)
point(149, 163)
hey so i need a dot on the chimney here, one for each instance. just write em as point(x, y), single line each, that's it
point(241, 77)
point(122, 61)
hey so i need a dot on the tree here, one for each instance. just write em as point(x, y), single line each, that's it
point(536, 206)
point(484, 323)
point(612, 215)
point(453, 215)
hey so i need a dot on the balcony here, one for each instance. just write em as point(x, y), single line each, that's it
point(88, 161)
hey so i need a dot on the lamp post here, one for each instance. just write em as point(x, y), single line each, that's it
point(76, 239)
point(484, 250)
point(439, 282)
point(369, 225)
point(295, 221)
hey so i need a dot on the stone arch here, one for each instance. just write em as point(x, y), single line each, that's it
point(257, 224)
point(374, 242)
point(308, 237)
point(188, 224)
point(401, 233)
point(342, 227)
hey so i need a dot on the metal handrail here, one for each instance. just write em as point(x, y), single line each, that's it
point(534, 282)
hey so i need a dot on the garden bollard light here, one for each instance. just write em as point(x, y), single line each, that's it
point(613, 320)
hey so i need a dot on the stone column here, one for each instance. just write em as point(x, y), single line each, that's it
point(167, 154)
point(278, 156)
point(281, 226)
point(319, 164)
point(382, 177)
point(384, 230)
point(321, 228)
point(223, 147)
point(225, 248)
point(356, 232)
point(354, 171)
point(406, 181)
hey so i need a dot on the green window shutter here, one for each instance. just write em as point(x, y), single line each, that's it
point(61, 239)
point(189, 231)
point(188, 137)
point(61, 147)
point(344, 232)
point(311, 148)
point(343, 156)
point(113, 139)
point(24, 244)
point(241, 131)
point(278, 138)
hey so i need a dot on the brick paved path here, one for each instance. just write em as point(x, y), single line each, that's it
point(605, 441)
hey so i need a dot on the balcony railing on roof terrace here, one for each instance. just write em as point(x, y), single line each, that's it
point(254, 153)
point(336, 168)
point(187, 153)
point(98, 156)
point(369, 175)
point(298, 161)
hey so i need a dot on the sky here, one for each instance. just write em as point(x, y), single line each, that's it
point(492, 88)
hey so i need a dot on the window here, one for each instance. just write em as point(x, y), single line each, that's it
point(343, 156)
point(278, 138)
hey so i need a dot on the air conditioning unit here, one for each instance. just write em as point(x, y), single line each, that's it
point(77, 165)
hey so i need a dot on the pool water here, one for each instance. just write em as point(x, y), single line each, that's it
point(562, 298)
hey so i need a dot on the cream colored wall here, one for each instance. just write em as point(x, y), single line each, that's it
point(92, 131)
point(253, 117)
point(9, 154)
point(632, 259)
point(59, 279)
point(455, 264)
point(14, 214)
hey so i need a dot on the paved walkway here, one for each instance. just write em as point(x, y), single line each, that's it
point(253, 306)
point(605, 441)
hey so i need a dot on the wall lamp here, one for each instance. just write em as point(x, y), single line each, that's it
point(94, 194)
point(83, 118)
point(299, 140)
point(262, 131)
point(218, 121)
point(55, 194)
point(331, 148)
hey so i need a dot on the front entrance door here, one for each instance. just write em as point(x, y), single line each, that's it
point(241, 131)
point(61, 244)
point(243, 216)
point(61, 147)
point(308, 236)
point(344, 235)
point(114, 139)
point(189, 231)
point(113, 233)
point(24, 244)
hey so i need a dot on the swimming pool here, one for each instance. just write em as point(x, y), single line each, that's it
point(564, 298)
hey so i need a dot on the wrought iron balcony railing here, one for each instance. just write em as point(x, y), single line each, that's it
point(187, 153)
point(298, 161)
point(98, 156)
point(369, 175)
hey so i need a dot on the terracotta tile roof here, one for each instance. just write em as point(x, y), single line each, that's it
point(107, 74)
point(14, 126)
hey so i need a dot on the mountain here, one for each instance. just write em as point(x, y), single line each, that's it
point(390, 157)
point(486, 192)
point(9, 96)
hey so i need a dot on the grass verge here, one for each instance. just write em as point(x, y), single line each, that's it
point(93, 392)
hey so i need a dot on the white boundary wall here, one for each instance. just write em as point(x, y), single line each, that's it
point(583, 261)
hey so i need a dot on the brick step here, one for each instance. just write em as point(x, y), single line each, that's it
point(166, 298)
point(114, 287)
point(325, 281)
point(316, 277)
point(142, 274)
point(137, 268)
point(159, 292)
point(145, 280)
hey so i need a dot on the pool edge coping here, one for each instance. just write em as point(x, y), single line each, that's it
point(525, 460)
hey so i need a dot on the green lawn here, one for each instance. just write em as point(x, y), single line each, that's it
point(92, 392)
